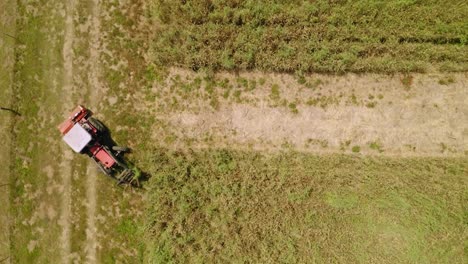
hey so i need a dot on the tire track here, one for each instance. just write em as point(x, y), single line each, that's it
point(91, 240)
point(65, 164)
point(91, 230)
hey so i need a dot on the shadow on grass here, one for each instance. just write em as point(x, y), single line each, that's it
point(119, 151)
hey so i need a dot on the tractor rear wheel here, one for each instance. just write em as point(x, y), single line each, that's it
point(104, 170)
point(97, 124)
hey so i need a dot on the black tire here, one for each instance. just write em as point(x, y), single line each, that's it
point(97, 124)
point(104, 170)
point(114, 156)
point(120, 148)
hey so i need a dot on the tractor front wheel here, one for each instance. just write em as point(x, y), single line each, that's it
point(97, 124)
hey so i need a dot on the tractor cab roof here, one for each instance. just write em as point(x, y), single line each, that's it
point(77, 138)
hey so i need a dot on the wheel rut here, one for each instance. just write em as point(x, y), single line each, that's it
point(65, 164)
point(95, 86)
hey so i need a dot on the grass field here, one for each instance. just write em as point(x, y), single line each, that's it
point(319, 36)
point(263, 203)
point(43, 227)
point(35, 76)
point(8, 24)
point(241, 207)
point(233, 206)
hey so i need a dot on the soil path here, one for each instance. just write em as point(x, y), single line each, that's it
point(91, 230)
point(91, 197)
point(369, 114)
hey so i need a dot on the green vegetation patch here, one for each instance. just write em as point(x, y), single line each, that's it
point(230, 206)
point(304, 36)
point(35, 80)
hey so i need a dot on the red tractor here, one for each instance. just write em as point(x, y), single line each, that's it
point(87, 135)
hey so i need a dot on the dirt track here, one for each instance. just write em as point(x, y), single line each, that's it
point(65, 165)
point(94, 91)
point(377, 113)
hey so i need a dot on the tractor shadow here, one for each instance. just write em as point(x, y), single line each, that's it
point(107, 139)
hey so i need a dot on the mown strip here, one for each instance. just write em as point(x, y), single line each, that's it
point(34, 195)
point(319, 36)
point(231, 206)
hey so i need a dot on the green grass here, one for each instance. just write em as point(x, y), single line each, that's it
point(35, 79)
point(39, 96)
point(293, 108)
point(275, 92)
point(304, 36)
point(356, 149)
point(377, 146)
point(228, 206)
point(122, 237)
point(447, 80)
point(7, 45)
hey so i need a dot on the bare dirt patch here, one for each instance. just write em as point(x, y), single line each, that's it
point(95, 86)
point(369, 114)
